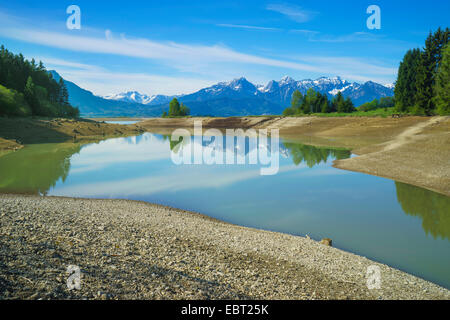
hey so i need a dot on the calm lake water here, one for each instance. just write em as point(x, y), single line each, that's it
point(394, 223)
point(123, 121)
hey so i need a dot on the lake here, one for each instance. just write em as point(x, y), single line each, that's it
point(123, 122)
point(391, 222)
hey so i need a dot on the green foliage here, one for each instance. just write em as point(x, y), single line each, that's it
point(442, 86)
point(342, 105)
point(288, 112)
point(297, 100)
point(176, 109)
point(42, 94)
point(384, 102)
point(184, 111)
point(311, 102)
point(416, 88)
point(405, 87)
point(431, 207)
point(313, 155)
point(13, 103)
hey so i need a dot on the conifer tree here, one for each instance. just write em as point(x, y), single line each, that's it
point(405, 86)
point(174, 108)
point(442, 85)
point(30, 94)
point(296, 101)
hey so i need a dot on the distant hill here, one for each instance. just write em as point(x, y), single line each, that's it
point(91, 105)
point(238, 97)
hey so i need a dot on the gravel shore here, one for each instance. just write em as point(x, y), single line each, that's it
point(136, 250)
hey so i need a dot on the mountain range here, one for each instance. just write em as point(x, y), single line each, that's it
point(238, 97)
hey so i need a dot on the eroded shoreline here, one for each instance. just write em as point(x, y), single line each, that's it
point(135, 250)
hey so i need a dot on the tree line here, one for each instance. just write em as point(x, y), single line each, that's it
point(384, 102)
point(27, 89)
point(176, 109)
point(423, 81)
point(316, 102)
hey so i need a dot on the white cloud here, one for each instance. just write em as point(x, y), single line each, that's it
point(352, 68)
point(293, 12)
point(103, 82)
point(239, 26)
point(353, 37)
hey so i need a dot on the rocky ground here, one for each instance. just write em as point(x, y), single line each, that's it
point(135, 250)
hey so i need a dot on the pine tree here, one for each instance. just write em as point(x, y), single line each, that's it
point(30, 95)
point(405, 86)
point(442, 85)
point(339, 102)
point(296, 101)
point(324, 105)
point(184, 110)
point(429, 63)
point(348, 105)
point(63, 93)
point(174, 108)
point(424, 79)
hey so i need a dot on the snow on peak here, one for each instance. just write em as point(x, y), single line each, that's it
point(286, 79)
point(131, 96)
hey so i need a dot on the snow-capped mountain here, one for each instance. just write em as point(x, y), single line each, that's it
point(274, 93)
point(280, 92)
point(136, 97)
point(238, 97)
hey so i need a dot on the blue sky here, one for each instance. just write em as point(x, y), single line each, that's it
point(173, 47)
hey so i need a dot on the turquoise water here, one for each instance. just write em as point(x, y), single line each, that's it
point(394, 223)
point(123, 121)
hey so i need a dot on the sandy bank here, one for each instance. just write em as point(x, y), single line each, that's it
point(135, 250)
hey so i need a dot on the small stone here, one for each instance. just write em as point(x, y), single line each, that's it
point(327, 242)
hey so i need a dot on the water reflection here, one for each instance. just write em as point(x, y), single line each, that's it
point(314, 155)
point(36, 168)
point(431, 207)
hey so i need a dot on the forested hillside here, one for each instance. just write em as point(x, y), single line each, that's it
point(27, 89)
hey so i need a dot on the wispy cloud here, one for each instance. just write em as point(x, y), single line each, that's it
point(239, 26)
point(305, 32)
point(356, 69)
point(102, 81)
point(353, 37)
point(144, 48)
point(293, 12)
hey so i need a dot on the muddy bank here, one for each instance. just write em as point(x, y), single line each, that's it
point(414, 150)
point(17, 132)
point(135, 250)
